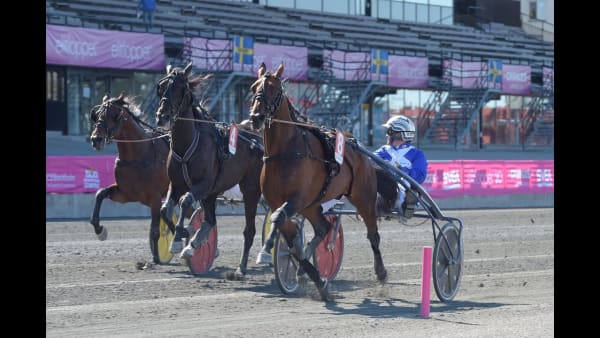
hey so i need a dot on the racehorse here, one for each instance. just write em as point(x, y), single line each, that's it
point(200, 166)
point(298, 175)
point(140, 168)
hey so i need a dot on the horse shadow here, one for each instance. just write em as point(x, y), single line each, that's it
point(399, 307)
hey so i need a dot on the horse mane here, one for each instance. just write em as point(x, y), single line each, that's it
point(130, 103)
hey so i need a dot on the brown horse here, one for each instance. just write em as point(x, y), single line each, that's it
point(297, 176)
point(140, 169)
point(199, 165)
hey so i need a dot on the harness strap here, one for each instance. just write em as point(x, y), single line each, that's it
point(186, 157)
point(285, 156)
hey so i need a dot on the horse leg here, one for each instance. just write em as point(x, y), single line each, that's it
point(209, 204)
point(250, 206)
point(295, 244)
point(366, 209)
point(185, 202)
point(155, 232)
point(278, 217)
point(321, 227)
point(101, 194)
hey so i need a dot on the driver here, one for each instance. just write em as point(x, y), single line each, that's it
point(399, 152)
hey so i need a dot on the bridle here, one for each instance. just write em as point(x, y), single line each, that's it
point(269, 105)
point(167, 97)
point(100, 112)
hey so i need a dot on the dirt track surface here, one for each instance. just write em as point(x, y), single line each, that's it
point(96, 289)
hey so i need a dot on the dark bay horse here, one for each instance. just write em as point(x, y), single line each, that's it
point(297, 176)
point(141, 165)
point(199, 165)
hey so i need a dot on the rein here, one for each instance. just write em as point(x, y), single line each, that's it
point(140, 140)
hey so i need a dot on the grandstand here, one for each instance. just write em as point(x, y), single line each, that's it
point(451, 117)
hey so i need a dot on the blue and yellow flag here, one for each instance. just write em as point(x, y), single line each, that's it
point(379, 61)
point(495, 71)
point(243, 50)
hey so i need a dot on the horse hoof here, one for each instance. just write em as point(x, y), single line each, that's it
point(264, 258)
point(187, 252)
point(382, 278)
point(175, 247)
point(240, 273)
point(324, 291)
point(103, 234)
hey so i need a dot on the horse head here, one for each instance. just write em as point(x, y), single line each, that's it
point(175, 93)
point(268, 93)
point(107, 118)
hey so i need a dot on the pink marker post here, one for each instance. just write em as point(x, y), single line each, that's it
point(426, 281)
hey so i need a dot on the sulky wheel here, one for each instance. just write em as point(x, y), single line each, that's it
point(205, 254)
point(164, 241)
point(447, 262)
point(328, 254)
point(285, 265)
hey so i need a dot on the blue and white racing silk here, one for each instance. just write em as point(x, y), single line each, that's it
point(411, 159)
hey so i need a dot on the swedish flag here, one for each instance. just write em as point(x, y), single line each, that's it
point(379, 61)
point(243, 50)
point(495, 71)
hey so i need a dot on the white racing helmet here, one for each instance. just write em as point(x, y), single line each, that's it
point(400, 127)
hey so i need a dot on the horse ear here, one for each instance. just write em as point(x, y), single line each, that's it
point(262, 69)
point(169, 67)
point(279, 71)
point(122, 95)
point(105, 98)
point(188, 69)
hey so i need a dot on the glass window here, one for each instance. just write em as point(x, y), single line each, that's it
point(447, 16)
point(398, 10)
point(280, 3)
point(410, 11)
point(533, 9)
point(120, 84)
point(435, 14)
point(422, 13)
point(334, 6)
point(313, 4)
point(55, 85)
point(383, 10)
point(541, 10)
point(447, 3)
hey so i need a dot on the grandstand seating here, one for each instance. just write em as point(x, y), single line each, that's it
point(317, 30)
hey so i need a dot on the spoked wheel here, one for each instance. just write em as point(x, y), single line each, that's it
point(329, 253)
point(285, 265)
point(204, 255)
point(447, 262)
point(164, 241)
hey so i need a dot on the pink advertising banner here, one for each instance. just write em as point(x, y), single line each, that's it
point(347, 66)
point(78, 174)
point(294, 59)
point(480, 178)
point(465, 74)
point(516, 79)
point(86, 174)
point(208, 54)
point(104, 48)
point(408, 72)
